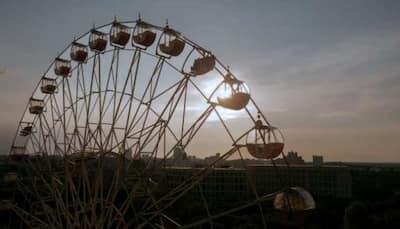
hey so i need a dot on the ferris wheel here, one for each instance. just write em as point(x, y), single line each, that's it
point(112, 109)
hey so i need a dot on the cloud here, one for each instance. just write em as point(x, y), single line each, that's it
point(310, 66)
point(355, 78)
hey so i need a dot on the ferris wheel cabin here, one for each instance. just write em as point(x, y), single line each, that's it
point(79, 52)
point(119, 34)
point(172, 45)
point(294, 199)
point(26, 130)
point(294, 203)
point(62, 67)
point(97, 41)
point(239, 95)
point(143, 34)
point(263, 142)
point(36, 106)
point(203, 65)
point(48, 85)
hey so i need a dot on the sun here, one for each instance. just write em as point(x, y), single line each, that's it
point(210, 87)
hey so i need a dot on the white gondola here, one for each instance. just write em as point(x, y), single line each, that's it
point(203, 65)
point(293, 205)
point(238, 96)
point(62, 67)
point(36, 106)
point(48, 85)
point(143, 35)
point(97, 41)
point(264, 142)
point(79, 52)
point(172, 44)
point(294, 199)
point(119, 34)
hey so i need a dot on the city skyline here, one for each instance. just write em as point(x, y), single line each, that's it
point(325, 73)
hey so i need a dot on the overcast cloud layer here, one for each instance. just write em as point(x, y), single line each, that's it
point(326, 72)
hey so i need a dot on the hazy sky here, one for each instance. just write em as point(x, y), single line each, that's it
point(326, 72)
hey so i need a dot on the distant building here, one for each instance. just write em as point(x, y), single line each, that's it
point(330, 181)
point(220, 184)
point(236, 183)
point(182, 159)
point(292, 158)
point(317, 160)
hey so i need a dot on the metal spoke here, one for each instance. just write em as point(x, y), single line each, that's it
point(105, 136)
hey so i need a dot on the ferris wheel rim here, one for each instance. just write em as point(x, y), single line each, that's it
point(194, 46)
point(180, 71)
